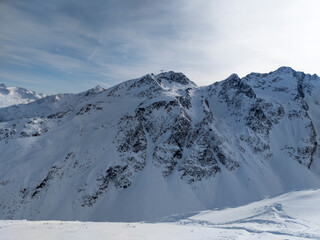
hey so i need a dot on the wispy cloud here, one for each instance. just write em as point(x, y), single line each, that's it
point(81, 43)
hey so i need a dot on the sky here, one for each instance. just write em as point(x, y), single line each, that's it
point(59, 46)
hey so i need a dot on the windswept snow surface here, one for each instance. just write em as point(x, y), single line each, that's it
point(16, 95)
point(295, 215)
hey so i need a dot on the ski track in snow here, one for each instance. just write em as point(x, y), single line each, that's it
point(295, 215)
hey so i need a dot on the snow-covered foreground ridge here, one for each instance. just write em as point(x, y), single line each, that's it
point(294, 215)
point(159, 145)
point(16, 95)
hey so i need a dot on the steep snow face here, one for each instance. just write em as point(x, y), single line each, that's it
point(16, 95)
point(159, 145)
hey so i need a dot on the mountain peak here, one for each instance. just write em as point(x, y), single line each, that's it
point(2, 85)
point(284, 69)
point(233, 76)
point(174, 77)
point(98, 88)
point(94, 90)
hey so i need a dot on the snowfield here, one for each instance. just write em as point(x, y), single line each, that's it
point(295, 215)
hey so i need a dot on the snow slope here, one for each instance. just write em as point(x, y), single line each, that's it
point(159, 145)
point(16, 95)
point(295, 215)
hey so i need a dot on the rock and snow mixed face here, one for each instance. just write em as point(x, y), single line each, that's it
point(159, 145)
point(16, 95)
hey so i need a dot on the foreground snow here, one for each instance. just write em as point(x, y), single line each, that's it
point(294, 215)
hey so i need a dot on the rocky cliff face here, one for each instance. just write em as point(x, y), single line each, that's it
point(159, 145)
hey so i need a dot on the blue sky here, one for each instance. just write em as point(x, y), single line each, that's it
point(73, 45)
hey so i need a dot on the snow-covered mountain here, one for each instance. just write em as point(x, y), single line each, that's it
point(159, 145)
point(16, 95)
